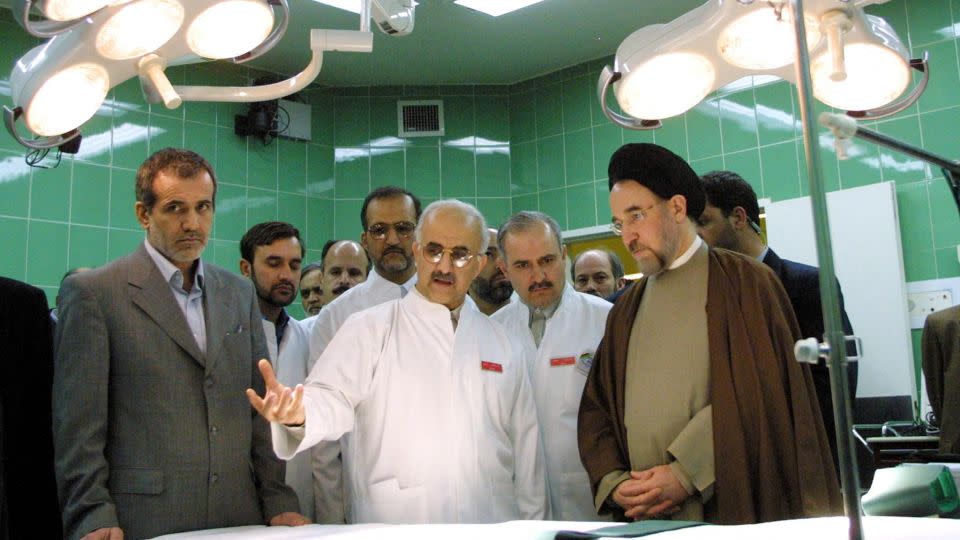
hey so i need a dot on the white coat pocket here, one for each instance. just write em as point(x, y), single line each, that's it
point(387, 502)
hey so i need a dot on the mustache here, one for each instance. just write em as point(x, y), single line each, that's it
point(443, 276)
point(283, 283)
point(393, 249)
point(545, 284)
point(341, 289)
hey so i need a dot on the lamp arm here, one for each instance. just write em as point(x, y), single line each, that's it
point(268, 43)
point(608, 77)
point(320, 40)
point(41, 29)
point(919, 64)
point(10, 117)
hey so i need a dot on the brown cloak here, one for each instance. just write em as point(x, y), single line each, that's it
point(771, 454)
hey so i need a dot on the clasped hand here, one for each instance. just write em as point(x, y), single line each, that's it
point(650, 493)
point(280, 403)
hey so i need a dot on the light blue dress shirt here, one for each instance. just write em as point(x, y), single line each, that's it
point(191, 304)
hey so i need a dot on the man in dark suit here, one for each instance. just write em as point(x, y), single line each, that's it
point(152, 432)
point(941, 370)
point(731, 220)
point(28, 493)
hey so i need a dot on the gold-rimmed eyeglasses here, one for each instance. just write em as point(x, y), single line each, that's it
point(633, 217)
point(459, 256)
point(404, 229)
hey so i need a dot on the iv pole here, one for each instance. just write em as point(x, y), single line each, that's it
point(834, 335)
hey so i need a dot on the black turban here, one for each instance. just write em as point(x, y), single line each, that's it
point(659, 170)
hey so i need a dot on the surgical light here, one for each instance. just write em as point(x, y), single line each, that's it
point(67, 99)
point(762, 39)
point(67, 10)
point(230, 28)
point(60, 84)
point(684, 79)
point(662, 70)
point(138, 28)
point(864, 67)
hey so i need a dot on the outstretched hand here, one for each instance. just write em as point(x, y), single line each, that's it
point(280, 403)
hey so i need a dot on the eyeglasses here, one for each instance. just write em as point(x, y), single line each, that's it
point(459, 256)
point(403, 229)
point(633, 217)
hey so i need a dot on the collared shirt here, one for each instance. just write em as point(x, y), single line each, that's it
point(547, 311)
point(280, 326)
point(190, 303)
point(763, 254)
point(682, 259)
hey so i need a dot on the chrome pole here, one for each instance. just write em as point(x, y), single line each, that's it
point(834, 335)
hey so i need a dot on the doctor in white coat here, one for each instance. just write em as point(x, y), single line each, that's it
point(434, 395)
point(559, 330)
point(388, 216)
point(271, 255)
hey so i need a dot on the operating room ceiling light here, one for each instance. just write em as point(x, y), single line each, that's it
point(138, 28)
point(66, 10)
point(763, 39)
point(230, 28)
point(858, 62)
point(95, 45)
point(67, 99)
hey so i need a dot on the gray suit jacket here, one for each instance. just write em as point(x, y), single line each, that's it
point(941, 369)
point(152, 435)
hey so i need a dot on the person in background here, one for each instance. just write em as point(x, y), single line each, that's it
point(388, 218)
point(558, 330)
point(695, 407)
point(598, 272)
point(345, 265)
point(270, 256)
point(433, 393)
point(28, 490)
point(731, 220)
point(152, 351)
point(941, 371)
point(311, 288)
point(491, 290)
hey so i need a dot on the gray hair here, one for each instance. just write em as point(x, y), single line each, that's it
point(615, 265)
point(524, 221)
point(469, 211)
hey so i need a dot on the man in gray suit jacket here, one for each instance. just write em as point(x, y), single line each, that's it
point(152, 431)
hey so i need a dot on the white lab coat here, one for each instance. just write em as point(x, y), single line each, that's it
point(374, 291)
point(291, 369)
point(327, 466)
point(558, 372)
point(442, 424)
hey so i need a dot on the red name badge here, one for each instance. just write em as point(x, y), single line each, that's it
point(566, 361)
point(491, 366)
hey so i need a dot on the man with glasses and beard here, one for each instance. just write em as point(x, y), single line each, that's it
point(491, 290)
point(270, 255)
point(434, 395)
point(558, 330)
point(388, 217)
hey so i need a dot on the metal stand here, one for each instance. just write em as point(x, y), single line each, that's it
point(950, 169)
point(834, 335)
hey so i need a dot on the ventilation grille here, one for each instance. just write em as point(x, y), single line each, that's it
point(420, 118)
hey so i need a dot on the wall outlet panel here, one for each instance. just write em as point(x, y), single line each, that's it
point(926, 297)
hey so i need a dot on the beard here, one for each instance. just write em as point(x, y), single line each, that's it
point(276, 295)
point(652, 261)
point(395, 265)
point(491, 293)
